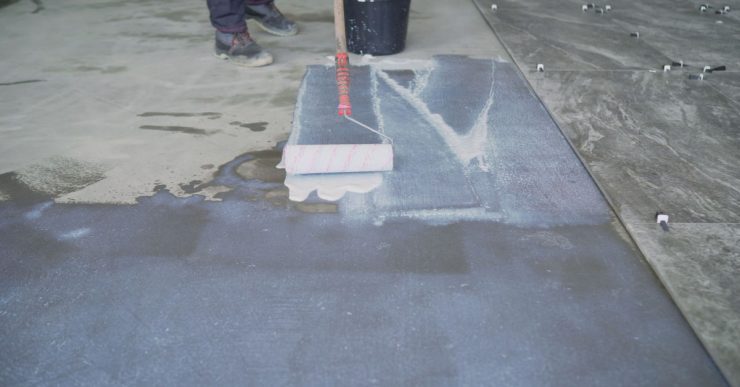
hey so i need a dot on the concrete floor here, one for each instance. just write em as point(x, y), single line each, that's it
point(147, 238)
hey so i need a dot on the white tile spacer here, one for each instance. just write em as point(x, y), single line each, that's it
point(584, 8)
point(494, 7)
point(726, 8)
point(666, 67)
point(540, 67)
point(706, 68)
point(662, 219)
point(701, 76)
point(608, 7)
point(703, 8)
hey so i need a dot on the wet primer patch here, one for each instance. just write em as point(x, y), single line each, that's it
point(262, 167)
point(251, 177)
point(191, 187)
point(211, 115)
point(102, 70)
point(177, 129)
point(21, 82)
point(482, 148)
point(253, 126)
point(12, 188)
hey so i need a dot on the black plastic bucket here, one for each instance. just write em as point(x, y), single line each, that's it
point(376, 27)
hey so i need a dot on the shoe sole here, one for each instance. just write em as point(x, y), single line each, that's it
point(263, 60)
point(273, 31)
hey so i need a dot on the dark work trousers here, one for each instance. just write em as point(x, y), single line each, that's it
point(228, 15)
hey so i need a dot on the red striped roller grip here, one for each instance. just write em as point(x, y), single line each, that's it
point(342, 64)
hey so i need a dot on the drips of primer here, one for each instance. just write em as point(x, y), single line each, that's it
point(331, 186)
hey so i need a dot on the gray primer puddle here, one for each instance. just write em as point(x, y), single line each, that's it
point(540, 289)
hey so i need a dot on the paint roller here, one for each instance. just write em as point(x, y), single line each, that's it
point(340, 158)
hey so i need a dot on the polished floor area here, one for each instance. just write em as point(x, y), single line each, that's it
point(654, 140)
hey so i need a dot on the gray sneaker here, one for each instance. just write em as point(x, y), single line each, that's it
point(271, 19)
point(241, 49)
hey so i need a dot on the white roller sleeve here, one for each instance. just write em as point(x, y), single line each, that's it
point(337, 158)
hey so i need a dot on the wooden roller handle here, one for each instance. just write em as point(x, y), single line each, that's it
point(339, 28)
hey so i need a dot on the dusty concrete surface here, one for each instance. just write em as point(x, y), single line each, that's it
point(139, 94)
point(653, 140)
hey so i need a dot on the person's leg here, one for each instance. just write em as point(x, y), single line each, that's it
point(228, 15)
point(232, 38)
point(269, 18)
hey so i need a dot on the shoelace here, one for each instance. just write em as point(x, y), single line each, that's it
point(274, 8)
point(242, 38)
point(274, 14)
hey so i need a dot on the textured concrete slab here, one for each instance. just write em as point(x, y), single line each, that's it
point(561, 36)
point(188, 291)
point(680, 31)
point(653, 140)
point(729, 85)
point(157, 282)
point(703, 284)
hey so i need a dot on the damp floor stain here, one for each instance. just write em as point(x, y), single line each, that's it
point(317, 208)
point(212, 115)
point(192, 187)
point(253, 126)
point(254, 176)
point(13, 188)
point(177, 129)
point(262, 166)
point(50, 178)
point(102, 70)
point(21, 82)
